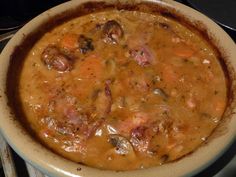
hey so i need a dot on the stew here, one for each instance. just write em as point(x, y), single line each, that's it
point(122, 90)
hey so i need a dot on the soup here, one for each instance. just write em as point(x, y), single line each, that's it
point(122, 90)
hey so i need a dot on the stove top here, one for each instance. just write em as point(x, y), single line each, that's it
point(225, 166)
point(14, 13)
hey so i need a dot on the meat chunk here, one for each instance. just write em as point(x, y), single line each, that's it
point(82, 122)
point(112, 32)
point(138, 119)
point(52, 126)
point(85, 44)
point(139, 138)
point(61, 63)
point(53, 58)
point(74, 117)
point(138, 132)
point(141, 55)
point(104, 100)
point(78, 121)
point(93, 127)
point(108, 95)
point(107, 88)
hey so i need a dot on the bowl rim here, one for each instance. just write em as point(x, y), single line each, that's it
point(54, 165)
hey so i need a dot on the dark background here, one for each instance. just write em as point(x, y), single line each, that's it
point(25, 8)
point(17, 12)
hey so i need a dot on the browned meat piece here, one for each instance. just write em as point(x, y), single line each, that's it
point(74, 117)
point(61, 63)
point(92, 127)
point(136, 120)
point(138, 132)
point(140, 138)
point(141, 55)
point(53, 58)
point(108, 95)
point(112, 32)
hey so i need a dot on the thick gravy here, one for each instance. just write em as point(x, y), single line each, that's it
point(122, 90)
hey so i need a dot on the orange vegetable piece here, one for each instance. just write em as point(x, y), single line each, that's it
point(69, 42)
point(183, 51)
point(91, 68)
point(169, 74)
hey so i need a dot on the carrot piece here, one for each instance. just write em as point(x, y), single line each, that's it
point(69, 42)
point(89, 71)
point(91, 67)
point(169, 74)
point(183, 51)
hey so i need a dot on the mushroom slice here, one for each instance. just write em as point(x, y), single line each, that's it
point(122, 145)
point(112, 32)
point(85, 44)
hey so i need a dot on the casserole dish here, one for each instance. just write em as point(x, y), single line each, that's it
point(54, 165)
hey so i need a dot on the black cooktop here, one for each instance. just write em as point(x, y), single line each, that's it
point(14, 13)
point(12, 18)
point(221, 11)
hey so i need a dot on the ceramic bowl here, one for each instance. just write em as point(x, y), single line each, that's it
point(54, 165)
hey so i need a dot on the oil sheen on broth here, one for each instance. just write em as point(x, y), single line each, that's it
point(122, 90)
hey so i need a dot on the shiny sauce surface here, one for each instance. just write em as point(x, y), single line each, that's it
point(122, 90)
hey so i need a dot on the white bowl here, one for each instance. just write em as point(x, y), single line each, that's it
point(54, 165)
